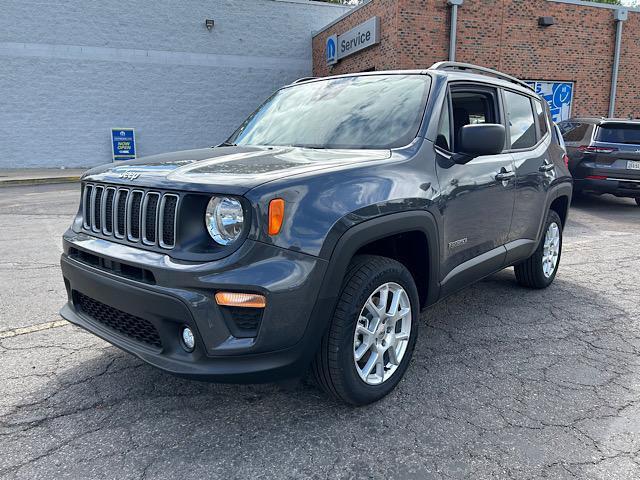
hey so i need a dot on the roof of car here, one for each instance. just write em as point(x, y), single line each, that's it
point(453, 74)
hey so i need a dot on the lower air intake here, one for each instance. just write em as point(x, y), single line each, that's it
point(126, 324)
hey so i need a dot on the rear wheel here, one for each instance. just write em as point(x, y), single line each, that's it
point(368, 346)
point(539, 270)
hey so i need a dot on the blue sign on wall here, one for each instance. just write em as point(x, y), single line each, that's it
point(559, 96)
point(331, 50)
point(123, 143)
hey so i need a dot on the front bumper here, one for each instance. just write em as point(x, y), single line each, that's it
point(183, 295)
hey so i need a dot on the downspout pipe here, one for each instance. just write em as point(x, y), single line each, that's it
point(620, 15)
point(454, 27)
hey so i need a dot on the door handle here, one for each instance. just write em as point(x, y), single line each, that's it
point(547, 167)
point(505, 176)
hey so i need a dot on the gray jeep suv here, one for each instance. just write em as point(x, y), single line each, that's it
point(316, 235)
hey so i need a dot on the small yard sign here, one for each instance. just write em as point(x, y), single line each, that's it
point(123, 142)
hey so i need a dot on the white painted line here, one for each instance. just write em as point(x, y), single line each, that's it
point(33, 328)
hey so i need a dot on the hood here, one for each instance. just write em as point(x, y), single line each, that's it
point(232, 170)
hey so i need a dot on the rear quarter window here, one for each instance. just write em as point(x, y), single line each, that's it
point(542, 118)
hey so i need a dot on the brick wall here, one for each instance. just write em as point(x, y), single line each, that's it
point(380, 57)
point(504, 34)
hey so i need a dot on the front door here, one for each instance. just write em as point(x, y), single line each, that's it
point(477, 198)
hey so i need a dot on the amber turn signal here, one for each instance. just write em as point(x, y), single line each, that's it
point(276, 215)
point(247, 300)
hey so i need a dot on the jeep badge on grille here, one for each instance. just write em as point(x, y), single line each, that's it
point(129, 175)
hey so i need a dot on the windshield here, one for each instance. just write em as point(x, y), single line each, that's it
point(619, 133)
point(373, 111)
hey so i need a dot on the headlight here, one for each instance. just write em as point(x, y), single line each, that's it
point(224, 219)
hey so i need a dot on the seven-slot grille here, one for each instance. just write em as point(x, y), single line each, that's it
point(131, 214)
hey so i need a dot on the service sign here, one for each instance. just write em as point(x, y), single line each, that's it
point(123, 143)
point(358, 38)
point(559, 96)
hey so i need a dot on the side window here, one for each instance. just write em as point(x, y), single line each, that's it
point(522, 127)
point(542, 118)
point(443, 140)
point(572, 131)
point(471, 107)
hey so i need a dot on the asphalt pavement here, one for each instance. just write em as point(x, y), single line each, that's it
point(505, 382)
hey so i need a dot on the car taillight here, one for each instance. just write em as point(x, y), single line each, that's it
point(591, 149)
point(596, 177)
point(565, 158)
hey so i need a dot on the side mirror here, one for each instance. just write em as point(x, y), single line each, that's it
point(480, 139)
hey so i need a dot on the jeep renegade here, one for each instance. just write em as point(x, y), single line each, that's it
point(316, 234)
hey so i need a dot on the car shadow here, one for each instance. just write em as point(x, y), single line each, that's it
point(500, 373)
point(606, 205)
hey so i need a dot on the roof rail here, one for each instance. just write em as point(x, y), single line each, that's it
point(478, 69)
point(303, 79)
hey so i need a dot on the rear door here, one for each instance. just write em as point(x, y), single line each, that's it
point(534, 156)
point(476, 198)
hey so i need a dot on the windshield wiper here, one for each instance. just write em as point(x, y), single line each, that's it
point(314, 147)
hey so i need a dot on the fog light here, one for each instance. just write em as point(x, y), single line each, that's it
point(188, 340)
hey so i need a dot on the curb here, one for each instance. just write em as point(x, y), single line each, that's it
point(39, 181)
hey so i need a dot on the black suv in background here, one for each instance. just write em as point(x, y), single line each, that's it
point(604, 155)
point(316, 234)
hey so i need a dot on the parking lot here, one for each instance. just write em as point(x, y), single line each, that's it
point(504, 383)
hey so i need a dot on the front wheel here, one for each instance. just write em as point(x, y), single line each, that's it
point(539, 270)
point(368, 346)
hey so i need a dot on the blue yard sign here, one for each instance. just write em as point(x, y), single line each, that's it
point(123, 143)
point(559, 96)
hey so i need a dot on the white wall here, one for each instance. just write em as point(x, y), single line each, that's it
point(72, 69)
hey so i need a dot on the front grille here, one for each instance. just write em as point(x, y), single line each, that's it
point(97, 209)
point(149, 221)
point(131, 214)
point(167, 226)
point(126, 324)
point(108, 211)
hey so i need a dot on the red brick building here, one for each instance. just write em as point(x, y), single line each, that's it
point(505, 35)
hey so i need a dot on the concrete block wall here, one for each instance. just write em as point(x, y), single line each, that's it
point(72, 69)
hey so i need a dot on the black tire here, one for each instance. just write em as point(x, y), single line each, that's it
point(333, 367)
point(530, 273)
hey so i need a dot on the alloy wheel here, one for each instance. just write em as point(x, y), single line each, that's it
point(551, 250)
point(382, 333)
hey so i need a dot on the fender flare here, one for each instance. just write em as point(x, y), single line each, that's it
point(564, 189)
point(376, 229)
point(343, 251)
